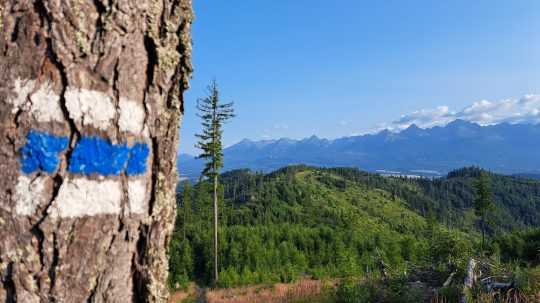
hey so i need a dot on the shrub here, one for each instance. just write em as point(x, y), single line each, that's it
point(528, 281)
point(449, 294)
point(351, 291)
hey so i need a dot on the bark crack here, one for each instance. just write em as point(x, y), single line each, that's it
point(52, 269)
point(150, 47)
point(116, 92)
point(155, 171)
point(138, 268)
point(36, 229)
point(38, 232)
point(9, 285)
point(40, 8)
point(15, 33)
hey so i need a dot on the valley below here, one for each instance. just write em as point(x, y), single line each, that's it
point(309, 234)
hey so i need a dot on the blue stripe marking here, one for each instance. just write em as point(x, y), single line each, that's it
point(91, 155)
point(41, 152)
point(97, 155)
point(137, 159)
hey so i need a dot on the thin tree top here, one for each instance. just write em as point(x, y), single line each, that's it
point(213, 114)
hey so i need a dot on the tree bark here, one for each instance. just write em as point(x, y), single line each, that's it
point(216, 266)
point(91, 94)
point(483, 233)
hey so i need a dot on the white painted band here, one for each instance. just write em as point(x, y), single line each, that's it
point(87, 107)
point(131, 116)
point(90, 108)
point(83, 197)
point(45, 105)
point(29, 193)
point(138, 202)
point(79, 197)
point(41, 102)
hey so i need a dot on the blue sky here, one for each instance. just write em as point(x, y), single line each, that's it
point(295, 68)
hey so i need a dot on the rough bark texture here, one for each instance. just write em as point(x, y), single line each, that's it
point(103, 70)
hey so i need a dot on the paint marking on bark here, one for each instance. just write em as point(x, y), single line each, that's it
point(90, 108)
point(79, 197)
point(137, 159)
point(22, 89)
point(45, 105)
point(29, 193)
point(41, 152)
point(97, 155)
point(137, 196)
point(91, 155)
point(131, 116)
point(100, 156)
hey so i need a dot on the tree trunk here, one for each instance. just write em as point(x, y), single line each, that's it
point(469, 281)
point(216, 269)
point(91, 94)
point(483, 223)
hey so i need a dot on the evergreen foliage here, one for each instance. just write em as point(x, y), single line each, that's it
point(341, 223)
point(483, 203)
point(213, 114)
point(302, 221)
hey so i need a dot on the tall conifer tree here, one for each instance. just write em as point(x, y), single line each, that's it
point(213, 114)
point(483, 202)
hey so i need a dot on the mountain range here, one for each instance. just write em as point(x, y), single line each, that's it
point(503, 148)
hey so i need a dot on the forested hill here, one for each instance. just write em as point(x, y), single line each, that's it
point(450, 199)
point(328, 222)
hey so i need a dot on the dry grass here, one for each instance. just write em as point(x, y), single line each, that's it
point(178, 297)
point(278, 293)
point(303, 290)
point(511, 296)
point(181, 295)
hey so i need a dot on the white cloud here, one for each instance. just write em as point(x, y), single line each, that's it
point(484, 112)
point(344, 122)
point(424, 118)
point(276, 130)
point(281, 126)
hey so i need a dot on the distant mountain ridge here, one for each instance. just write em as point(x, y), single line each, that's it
point(503, 148)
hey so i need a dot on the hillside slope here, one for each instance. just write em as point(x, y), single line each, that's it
point(307, 221)
point(450, 198)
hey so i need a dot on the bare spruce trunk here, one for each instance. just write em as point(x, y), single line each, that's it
point(91, 97)
point(216, 268)
point(483, 223)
